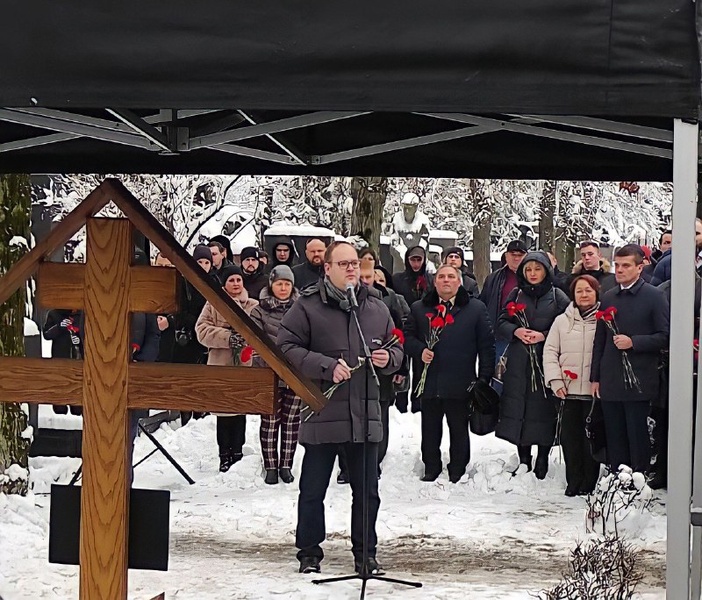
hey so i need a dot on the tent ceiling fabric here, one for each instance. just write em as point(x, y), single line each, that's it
point(630, 61)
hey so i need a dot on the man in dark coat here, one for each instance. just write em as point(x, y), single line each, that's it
point(499, 284)
point(664, 244)
point(63, 328)
point(451, 367)
point(219, 259)
point(414, 281)
point(455, 257)
point(319, 337)
point(643, 324)
point(592, 263)
point(255, 280)
point(312, 270)
point(284, 253)
point(662, 272)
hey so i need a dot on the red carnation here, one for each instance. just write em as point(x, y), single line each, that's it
point(437, 323)
point(511, 308)
point(246, 355)
point(600, 314)
point(608, 317)
point(135, 347)
point(399, 335)
point(611, 310)
point(570, 374)
point(449, 319)
point(441, 309)
point(429, 316)
point(521, 307)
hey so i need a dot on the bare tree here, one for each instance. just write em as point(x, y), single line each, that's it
point(369, 194)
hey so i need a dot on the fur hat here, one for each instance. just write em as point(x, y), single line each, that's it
point(202, 251)
point(281, 272)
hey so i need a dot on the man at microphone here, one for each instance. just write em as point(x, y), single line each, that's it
point(318, 335)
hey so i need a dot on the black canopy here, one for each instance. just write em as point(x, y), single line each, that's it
point(491, 89)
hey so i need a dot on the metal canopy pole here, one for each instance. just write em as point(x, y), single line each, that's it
point(685, 146)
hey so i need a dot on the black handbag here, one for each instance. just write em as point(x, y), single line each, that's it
point(595, 431)
point(484, 403)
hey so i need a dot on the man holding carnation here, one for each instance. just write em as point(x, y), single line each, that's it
point(632, 329)
point(462, 327)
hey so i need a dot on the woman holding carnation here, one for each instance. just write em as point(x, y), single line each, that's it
point(274, 302)
point(225, 348)
point(567, 362)
point(527, 409)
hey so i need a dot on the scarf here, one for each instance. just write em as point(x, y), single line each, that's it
point(589, 314)
point(337, 295)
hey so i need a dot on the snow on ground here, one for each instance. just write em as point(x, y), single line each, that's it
point(489, 536)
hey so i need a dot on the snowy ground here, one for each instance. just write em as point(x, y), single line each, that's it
point(490, 536)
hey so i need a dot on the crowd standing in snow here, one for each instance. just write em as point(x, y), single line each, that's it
point(568, 353)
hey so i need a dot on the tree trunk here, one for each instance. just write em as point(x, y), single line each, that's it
point(546, 214)
point(482, 212)
point(15, 210)
point(369, 194)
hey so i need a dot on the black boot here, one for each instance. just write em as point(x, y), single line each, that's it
point(271, 476)
point(525, 456)
point(541, 466)
point(372, 567)
point(286, 475)
point(225, 462)
point(310, 564)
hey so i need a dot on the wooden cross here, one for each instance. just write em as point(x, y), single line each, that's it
point(107, 384)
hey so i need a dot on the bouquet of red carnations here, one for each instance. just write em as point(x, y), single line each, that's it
point(437, 323)
point(515, 309)
point(631, 381)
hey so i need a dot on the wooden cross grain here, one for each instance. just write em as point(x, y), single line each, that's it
point(107, 384)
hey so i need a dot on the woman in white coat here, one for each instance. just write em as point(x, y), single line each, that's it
point(567, 360)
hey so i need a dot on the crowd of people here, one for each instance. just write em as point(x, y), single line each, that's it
point(570, 349)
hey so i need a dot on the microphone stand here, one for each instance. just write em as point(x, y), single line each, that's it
point(369, 371)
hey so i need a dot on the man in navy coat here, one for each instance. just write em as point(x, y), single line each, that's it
point(642, 323)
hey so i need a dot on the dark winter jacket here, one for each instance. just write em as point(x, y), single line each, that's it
point(662, 271)
point(188, 349)
point(491, 296)
point(643, 315)
point(306, 274)
point(255, 283)
point(145, 337)
point(399, 311)
point(270, 312)
point(526, 416)
point(216, 272)
point(603, 276)
point(410, 284)
point(61, 344)
point(561, 280)
point(313, 335)
point(468, 339)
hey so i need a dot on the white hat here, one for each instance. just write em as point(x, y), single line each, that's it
point(410, 198)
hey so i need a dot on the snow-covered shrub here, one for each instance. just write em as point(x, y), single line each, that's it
point(604, 569)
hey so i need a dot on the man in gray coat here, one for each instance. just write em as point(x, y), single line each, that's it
point(319, 337)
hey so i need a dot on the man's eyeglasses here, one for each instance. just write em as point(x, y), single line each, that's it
point(345, 264)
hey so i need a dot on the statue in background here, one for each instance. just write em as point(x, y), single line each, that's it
point(410, 227)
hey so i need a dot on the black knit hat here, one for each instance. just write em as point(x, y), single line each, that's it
point(249, 252)
point(201, 251)
point(454, 250)
point(228, 271)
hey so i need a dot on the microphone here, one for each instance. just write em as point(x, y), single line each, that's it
point(351, 295)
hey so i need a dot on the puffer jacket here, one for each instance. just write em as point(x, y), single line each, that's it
point(268, 315)
point(568, 347)
point(314, 334)
point(213, 332)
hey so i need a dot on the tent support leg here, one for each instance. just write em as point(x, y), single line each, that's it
point(685, 157)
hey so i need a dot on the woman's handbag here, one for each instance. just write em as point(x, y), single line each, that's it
point(595, 431)
point(484, 403)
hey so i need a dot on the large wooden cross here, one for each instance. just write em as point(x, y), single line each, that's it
point(107, 288)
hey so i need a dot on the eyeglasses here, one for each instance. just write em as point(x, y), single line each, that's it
point(345, 264)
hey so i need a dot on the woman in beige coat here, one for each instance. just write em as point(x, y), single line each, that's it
point(224, 348)
point(567, 360)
